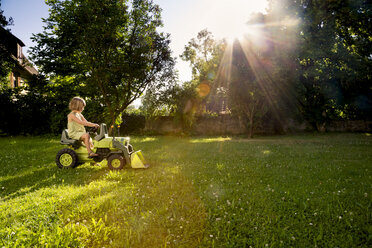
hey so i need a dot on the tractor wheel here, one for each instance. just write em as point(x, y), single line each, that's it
point(115, 162)
point(66, 158)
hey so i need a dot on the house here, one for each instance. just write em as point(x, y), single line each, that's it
point(23, 69)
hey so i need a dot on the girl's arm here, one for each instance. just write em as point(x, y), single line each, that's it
point(84, 122)
point(94, 124)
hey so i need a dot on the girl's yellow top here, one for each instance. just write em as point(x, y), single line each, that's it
point(75, 130)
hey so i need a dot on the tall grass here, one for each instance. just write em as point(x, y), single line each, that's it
point(282, 191)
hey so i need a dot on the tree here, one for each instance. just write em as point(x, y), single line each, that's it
point(261, 74)
point(248, 94)
point(180, 101)
point(3, 20)
point(204, 53)
point(333, 62)
point(185, 102)
point(159, 101)
point(201, 52)
point(112, 49)
point(6, 61)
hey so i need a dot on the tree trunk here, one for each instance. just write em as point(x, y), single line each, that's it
point(250, 132)
point(111, 127)
point(251, 121)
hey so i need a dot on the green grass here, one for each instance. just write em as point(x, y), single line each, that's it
point(279, 191)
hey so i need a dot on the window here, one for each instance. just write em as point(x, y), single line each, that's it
point(19, 52)
point(15, 82)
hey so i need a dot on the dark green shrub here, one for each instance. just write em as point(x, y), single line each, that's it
point(132, 123)
point(9, 114)
point(34, 112)
point(30, 113)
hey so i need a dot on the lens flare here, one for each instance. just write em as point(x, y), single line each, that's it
point(204, 89)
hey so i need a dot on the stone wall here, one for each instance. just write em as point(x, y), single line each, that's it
point(350, 126)
point(221, 125)
point(162, 125)
point(228, 125)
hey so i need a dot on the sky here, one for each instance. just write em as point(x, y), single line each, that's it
point(183, 19)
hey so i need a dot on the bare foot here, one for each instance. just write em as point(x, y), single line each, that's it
point(92, 154)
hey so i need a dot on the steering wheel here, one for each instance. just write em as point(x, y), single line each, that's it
point(93, 130)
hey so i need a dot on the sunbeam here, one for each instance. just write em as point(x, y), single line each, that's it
point(261, 70)
point(259, 47)
point(223, 75)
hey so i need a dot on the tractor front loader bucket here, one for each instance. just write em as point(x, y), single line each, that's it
point(138, 161)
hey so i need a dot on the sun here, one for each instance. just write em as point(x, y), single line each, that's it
point(228, 18)
point(237, 31)
point(245, 32)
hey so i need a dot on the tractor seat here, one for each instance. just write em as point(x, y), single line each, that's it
point(65, 140)
point(103, 133)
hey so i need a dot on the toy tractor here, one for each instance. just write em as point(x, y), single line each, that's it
point(115, 151)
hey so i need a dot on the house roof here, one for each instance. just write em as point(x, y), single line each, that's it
point(23, 66)
point(6, 35)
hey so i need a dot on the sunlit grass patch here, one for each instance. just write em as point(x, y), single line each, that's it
point(91, 206)
point(147, 139)
point(209, 140)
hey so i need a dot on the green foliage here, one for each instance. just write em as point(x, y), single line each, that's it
point(24, 113)
point(41, 108)
point(209, 115)
point(187, 102)
point(247, 94)
point(6, 65)
point(6, 61)
point(9, 114)
point(4, 21)
point(181, 101)
point(304, 60)
point(333, 65)
point(112, 50)
point(205, 54)
point(155, 103)
point(158, 101)
point(133, 122)
point(287, 191)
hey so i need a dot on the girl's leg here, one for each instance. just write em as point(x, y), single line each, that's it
point(86, 139)
point(91, 143)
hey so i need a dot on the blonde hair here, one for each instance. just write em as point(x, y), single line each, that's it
point(77, 103)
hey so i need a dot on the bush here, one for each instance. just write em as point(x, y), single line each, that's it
point(9, 113)
point(25, 112)
point(28, 113)
point(35, 112)
point(132, 123)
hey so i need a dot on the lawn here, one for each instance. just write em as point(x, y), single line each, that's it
point(279, 191)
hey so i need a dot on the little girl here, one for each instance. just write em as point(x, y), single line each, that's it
point(76, 123)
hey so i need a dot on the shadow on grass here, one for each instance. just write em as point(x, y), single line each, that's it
point(29, 180)
point(27, 165)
